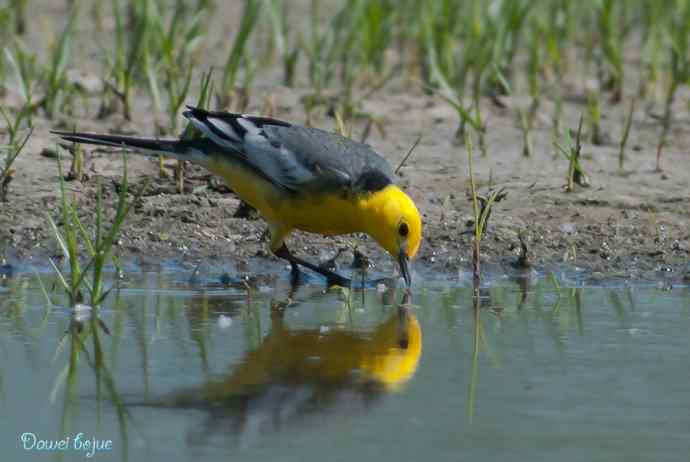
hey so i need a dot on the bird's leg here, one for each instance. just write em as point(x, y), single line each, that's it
point(403, 316)
point(294, 267)
point(331, 277)
point(294, 273)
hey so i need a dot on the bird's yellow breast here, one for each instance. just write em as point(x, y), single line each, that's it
point(249, 186)
point(325, 213)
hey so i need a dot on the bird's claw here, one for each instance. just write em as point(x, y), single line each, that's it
point(334, 279)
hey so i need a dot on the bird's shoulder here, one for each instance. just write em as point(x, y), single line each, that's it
point(295, 157)
point(334, 157)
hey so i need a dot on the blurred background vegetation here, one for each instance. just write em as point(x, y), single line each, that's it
point(95, 58)
point(460, 46)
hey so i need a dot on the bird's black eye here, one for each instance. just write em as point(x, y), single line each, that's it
point(403, 230)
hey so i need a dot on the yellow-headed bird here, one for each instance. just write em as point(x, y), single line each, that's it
point(297, 178)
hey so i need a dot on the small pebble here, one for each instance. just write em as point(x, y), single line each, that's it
point(225, 279)
point(50, 153)
point(88, 83)
point(224, 321)
point(82, 312)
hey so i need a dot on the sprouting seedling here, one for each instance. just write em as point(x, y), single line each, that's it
point(576, 174)
point(189, 131)
point(19, 8)
point(250, 15)
point(6, 170)
point(170, 50)
point(594, 116)
point(373, 122)
point(96, 14)
point(56, 72)
point(481, 57)
point(176, 46)
point(324, 46)
point(466, 116)
point(358, 33)
point(526, 122)
point(375, 34)
point(526, 127)
point(556, 121)
point(3, 68)
point(409, 153)
point(289, 56)
point(14, 125)
point(477, 227)
point(26, 74)
point(653, 28)
point(342, 128)
point(680, 70)
point(76, 171)
point(176, 98)
point(524, 260)
point(534, 66)
point(131, 51)
point(486, 204)
point(98, 245)
point(504, 31)
point(436, 41)
point(624, 138)
point(608, 15)
point(557, 28)
point(482, 207)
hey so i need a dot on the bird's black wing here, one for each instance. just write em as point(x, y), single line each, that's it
point(299, 159)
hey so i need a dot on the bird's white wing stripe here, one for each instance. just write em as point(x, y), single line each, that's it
point(224, 127)
point(211, 134)
point(249, 126)
point(279, 163)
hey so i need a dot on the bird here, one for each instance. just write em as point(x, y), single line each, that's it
point(296, 177)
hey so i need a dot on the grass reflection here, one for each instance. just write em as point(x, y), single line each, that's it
point(83, 344)
point(249, 362)
point(476, 311)
point(555, 306)
point(206, 306)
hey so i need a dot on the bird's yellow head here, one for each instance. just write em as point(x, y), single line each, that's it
point(395, 224)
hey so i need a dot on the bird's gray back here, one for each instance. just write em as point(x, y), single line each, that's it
point(294, 158)
point(333, 160)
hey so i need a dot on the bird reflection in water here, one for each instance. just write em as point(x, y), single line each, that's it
point(297, 374)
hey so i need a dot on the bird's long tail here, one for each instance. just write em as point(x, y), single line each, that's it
point(193, 150)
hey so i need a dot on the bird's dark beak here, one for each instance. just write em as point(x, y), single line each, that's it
point(404, 269)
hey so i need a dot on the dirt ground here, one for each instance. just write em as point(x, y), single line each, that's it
point(631, 225)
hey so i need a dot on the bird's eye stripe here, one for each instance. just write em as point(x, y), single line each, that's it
point(403, 230)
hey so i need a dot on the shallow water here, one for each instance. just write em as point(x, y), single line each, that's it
point(538, 371)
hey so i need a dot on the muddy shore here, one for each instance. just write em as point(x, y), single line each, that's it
point(632, 224)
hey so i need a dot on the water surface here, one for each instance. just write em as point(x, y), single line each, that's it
point(535, 370)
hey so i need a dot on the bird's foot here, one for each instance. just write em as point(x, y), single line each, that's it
point(334, 279)
point(295, 275)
